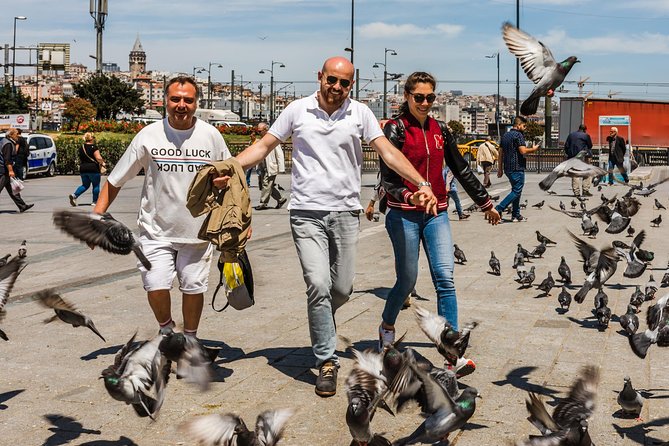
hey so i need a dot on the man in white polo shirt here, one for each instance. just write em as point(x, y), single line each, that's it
point(327, 130)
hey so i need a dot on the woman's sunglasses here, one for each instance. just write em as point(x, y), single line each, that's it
point(419, 97)
point(332, 80)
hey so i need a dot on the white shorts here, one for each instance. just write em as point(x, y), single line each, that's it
point(189, 262)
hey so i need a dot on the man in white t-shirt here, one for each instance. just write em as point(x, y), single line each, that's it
point(170, 151)
point(327, 129)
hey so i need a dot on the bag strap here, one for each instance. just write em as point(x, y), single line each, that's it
point(213, 298)
point(83, 147)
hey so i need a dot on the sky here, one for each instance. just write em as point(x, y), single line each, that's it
point(623, 45)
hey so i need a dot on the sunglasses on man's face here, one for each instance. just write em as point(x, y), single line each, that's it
point(332, 80)
point(420, 98)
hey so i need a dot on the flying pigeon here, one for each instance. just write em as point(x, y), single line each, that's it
point(564, 298)
point(494, 264)
point(450, 343)
point(569, 423)
point(599, 265)
point(4, 259)
point(139, 376)
point(630, 400)
point(630, 321)
point(445, 415)
point(459, 254)
point(627, 206)
point(543, 239)
point(572, 168)
point(659, 205)
point(538, 63)
point(564, 271)
point(642, 190)
point(539, 205)
point(8, 274)
point(635, 266)
point(192, 358)
point(100, 230)
point(547, 284)
point(230, 430)
point(616, 222)
point(657, 319)
point(656, 221)
point(65, 311)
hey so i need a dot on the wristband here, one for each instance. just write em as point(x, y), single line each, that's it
point(424, 183)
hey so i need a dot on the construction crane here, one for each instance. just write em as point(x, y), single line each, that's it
point(581, 83)
point(613, 93)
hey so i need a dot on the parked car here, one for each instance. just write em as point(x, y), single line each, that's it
point(469, 149)
point(43, 155)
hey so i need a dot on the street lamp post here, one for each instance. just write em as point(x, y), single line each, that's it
point(271, 87)
point(98, 10)
point(198, 70)
point(496, 56)
point(385, 76)
point(20, 17)
point(209, 98)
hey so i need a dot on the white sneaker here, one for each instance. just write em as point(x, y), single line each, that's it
point(463, 367)
point(386, 337)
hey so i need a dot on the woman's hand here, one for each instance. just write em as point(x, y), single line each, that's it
point(369, 211)
point(424, 197)
point(492, 216)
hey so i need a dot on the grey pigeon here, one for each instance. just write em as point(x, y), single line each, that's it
point(538, 63)
point(230, 430)
point(23, 250)
point(601, 299)
point(523, 205)
point(573, 204)
point(8, 275)
point(518, 259)
point(192, 358)
point(528, 280)
point(539, 205)
point(603, 315)
point(494, 264)
point(642, 190)
point(445, 415)
point(100, 230)
point(593, 231)
point(638, 298)
point(543, 239)
point(657, 319)
point(659, 205)
point(630, 321)
point(635, 265)
point(627, 206)
point(65, 311)
point(630, 231)
point(451, 344)
point(547, 284)
point(651, 288)
point(569, 423)
point(539, 250)
point(598, 264)
point(562, 206)
point(656, 221)
point(4, 259)
point(587, 224)
point(564, 298)
point(616, 222)
point(564, 271)
point(459, 254)
point(630, 401)
point(138, 376)
point(572, 168)
point(665, 279)
point(526, 254)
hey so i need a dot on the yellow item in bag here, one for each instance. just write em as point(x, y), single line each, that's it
point(237, 280)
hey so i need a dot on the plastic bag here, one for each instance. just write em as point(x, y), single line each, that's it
point(479, 169)
point(17, 185)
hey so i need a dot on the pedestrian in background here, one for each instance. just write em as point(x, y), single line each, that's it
point(486, 155)
point(577, 142)
point(22, 156)
point(90, 164)
point(7, 152)
point(271, 167)
point(616, 152)
point(327, 129)
point(427, 144)
point(452, 188)
point(512, 163)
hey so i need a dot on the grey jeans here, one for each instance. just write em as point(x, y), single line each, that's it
point(326, 243)
point(269, 189)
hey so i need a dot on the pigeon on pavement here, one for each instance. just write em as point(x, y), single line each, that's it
point(603, 315)
point(100, 230)
point(638, 298)
point(459, 254)
point(657, 319)
point(65, 311)
point(230, 430)
point(139, 376)
point(543, 239)
point(573, 204)
point(23, 250)
point(630, 400)
point(528, 279)
point(601, 299)
point(564, 271)
point(8, 274)
point(564, 298)
point(651, 288)
point(562, 206)
point(665, 279)
point(539, 205)
point(538, 63)
point(656, 221)
point(573, 168)
point(630, 231)
point(659, 205)
point(494, 264)
point(539, 250)
point(547, 284)
point(642, 190)
point(630, 321)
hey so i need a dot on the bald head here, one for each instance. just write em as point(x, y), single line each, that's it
point(338, 63)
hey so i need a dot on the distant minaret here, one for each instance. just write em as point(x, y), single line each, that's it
point(137, 59)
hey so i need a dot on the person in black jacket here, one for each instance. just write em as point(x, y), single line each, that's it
point(616, 151)
point(90, 161)
point(427, 144)
point(7, 152)
point(577, 142)
point(21, 158)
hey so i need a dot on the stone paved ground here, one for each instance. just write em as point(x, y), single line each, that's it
point(50, 394)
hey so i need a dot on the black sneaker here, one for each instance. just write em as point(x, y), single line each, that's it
point(326, 383)
point(587, 194)
point(26, 207)
point(280, 203)
point(519, 219)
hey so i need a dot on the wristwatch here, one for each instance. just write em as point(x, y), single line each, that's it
point(424, 183)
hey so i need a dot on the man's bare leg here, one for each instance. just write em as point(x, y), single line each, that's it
point(161, 304)
point(192, 311)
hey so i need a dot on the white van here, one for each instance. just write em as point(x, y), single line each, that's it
point(43, 156)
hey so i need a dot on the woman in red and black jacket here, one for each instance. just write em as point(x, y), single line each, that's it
point(428, 144)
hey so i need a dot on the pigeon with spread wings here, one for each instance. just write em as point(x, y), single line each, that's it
point(8, 274)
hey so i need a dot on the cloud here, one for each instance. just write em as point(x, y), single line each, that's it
point(381, 30)
point(627, 43)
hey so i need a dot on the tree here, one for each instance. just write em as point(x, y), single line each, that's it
point(109, 96)
point(534, 130)
point(79, 110)
point(457, 129)
point(12, 103)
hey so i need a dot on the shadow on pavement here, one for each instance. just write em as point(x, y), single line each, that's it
point(640, 432)
point(519, 379)
point(65, 430)
point(590, 322)
point(122, 441)
point(294, 362)
point(104, 351)
point(8, 395)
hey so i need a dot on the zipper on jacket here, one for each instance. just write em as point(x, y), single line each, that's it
point(427, 149)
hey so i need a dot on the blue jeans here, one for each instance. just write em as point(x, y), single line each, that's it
point(326, 243)
point(517, 180)
point(86, 180)
point(453, 193)
point(621, 168)
point(407, 229)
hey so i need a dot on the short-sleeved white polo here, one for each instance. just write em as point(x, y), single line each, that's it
point(327, 152)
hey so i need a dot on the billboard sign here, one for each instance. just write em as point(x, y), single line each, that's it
point(614, 120)
point(21, 121)
point(54, 56)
